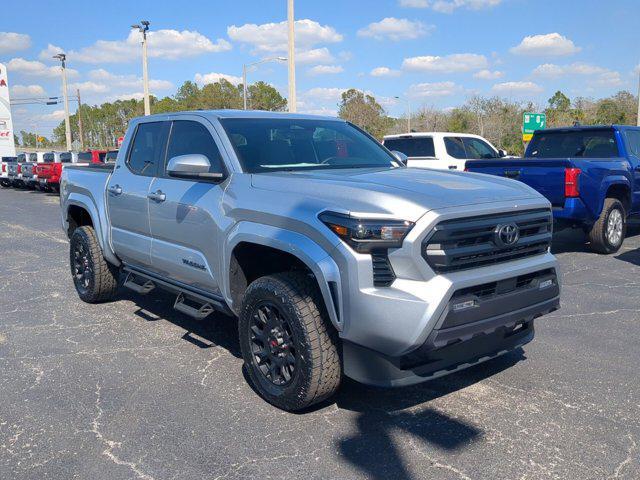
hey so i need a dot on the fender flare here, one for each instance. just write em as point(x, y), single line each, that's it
point(607, 183)
point(87, 204)
point(300, 246)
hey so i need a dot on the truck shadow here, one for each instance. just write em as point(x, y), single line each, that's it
point(383, 417)
point(575, 241)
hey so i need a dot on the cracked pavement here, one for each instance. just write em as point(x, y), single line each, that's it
point(134, 390)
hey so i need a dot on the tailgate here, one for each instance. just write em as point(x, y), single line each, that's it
point(543, 175)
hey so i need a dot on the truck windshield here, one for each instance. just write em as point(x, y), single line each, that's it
point(577, 143)
point(65, 158)
point(267, 145)
point(412, 146)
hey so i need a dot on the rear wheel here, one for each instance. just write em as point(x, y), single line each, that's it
point(288, 345)
point(608, 233)
point(95, 279)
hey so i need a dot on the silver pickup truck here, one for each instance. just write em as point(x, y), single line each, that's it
point(336, 259)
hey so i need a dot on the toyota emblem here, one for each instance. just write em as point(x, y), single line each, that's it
point(507, 234)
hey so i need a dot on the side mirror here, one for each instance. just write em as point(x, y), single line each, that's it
point(195, 166)
point(502, 153)
point(400, 156)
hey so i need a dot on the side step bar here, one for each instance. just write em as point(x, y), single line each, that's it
point(190, 302)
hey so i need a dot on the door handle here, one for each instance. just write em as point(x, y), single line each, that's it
point(452, 167)
point(157, 196)
point(115, 190)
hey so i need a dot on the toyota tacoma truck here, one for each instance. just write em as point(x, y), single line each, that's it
point(335, 257)
point(590, 174)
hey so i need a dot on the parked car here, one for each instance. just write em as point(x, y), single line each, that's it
point(15, 170)
point(50, 170)
point(591, 176)
point(111, 156)
point(92, 156)
point(336, 258)
point(4, 170)
point(28, 170)
point(441, 150)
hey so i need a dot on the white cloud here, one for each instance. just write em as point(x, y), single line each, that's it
point(126, 96)
point(213, 77)
point(56, 115)
point(324, 94)
point(12, 42)
point(27, 90)
point(88, 87)
point(395, 29)
point(325, 70)
point(449, 6)
point(384, 72)
point(47, 54)
point(488, 74)
point(166, 44)
point(37, 69)
point(437, 89)
point(272, 37)
point(514, 88)
point(314, 56)
point(458, 62)
point(550, 44)
point(598, 75)
point(125, 82)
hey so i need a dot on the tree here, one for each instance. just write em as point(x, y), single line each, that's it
point(262, 96)
point(16, 140)
point(559, 102)
point(220, 95)
point(29, 140)
point(363, 110)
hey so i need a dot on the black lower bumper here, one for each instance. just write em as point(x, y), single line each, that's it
point(461, 342)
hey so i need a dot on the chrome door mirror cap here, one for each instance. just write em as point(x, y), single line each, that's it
point(193, 165)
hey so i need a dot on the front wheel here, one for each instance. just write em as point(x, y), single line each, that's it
point(289, 347)
point(607, 234)
point(95, 279)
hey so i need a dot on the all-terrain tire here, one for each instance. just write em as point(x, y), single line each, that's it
point(602, 237)
point(98, 279)
point(318, 369)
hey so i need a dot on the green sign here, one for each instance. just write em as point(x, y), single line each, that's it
point(532, 122)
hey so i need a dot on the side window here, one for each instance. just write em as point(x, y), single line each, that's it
point(189, 137)
point(455, 147)
point(477, 149)
point(147, 150)
point(633, 142)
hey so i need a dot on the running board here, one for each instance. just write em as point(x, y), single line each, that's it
point(142, 289)
point(192, 307)
point(198, 304)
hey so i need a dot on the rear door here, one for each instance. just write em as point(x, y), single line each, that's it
point(127, 192)
point(632, 139)
point(185, 216)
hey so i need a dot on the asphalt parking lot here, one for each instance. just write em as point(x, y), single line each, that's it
point(133, 389)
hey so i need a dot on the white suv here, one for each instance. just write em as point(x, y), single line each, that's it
point(441, 150)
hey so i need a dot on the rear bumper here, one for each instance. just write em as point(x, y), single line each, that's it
point(573, 213)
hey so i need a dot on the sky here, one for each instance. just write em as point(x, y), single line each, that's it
point(434, 53)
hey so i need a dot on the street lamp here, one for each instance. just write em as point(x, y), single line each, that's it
point(143, 28)
point(292, 56)
point(249, 65)
point(408, 112)
point(67, 127)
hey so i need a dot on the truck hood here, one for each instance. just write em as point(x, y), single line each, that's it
point(406, 193)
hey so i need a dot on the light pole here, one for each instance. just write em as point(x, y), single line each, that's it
point(143, 28)
point(638, 120)
point(246, 66)
point(292, 57)
point(408, 112)
point(67, 127)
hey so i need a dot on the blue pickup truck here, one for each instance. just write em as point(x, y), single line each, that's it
point(591, 176)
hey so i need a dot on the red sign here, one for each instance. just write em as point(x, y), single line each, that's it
point(120, 140)
point(2, 82)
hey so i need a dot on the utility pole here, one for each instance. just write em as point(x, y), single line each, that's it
point(638, 121)
point(67, 126)
point(80, 121)
point(292, 57)
point(244, 86)
point(143, 28)
point(408, 113)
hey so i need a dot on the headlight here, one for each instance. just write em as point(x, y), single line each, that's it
point(365, 235)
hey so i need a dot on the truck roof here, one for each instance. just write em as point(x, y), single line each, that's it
point(579, 128)
point(253, 114)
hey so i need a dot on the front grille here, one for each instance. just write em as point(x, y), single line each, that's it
point(489, 290)
point(383, 275)
point(471, 242)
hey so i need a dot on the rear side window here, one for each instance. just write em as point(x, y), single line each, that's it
point(633, 142)
point(455, 147)
point(48, 158)
point(412, 147)
point(477, 149)
point(84, 157)
point(33, 157)
point(188, 137)
point(574, 144)
point(147, 150)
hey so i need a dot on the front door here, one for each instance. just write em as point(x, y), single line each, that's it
point(633, 149)
point(185, 215)
point(127, 192)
